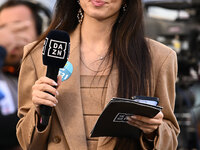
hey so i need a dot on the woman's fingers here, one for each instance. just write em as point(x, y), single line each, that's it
point(147, 125)
point(138, 123)
point(44, 96)
point(44, 92)
point(145, 129)
point(47, 81)
point(45, 88)
point(146, 120)
point(39, 101)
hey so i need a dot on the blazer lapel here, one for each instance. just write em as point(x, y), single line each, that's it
point(69, 108)
point(108, 143)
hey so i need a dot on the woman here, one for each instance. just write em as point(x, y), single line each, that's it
point(110, 57)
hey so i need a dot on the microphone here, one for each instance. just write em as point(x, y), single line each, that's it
point(55, 55)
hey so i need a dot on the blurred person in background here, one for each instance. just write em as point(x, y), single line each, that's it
point(21, 22)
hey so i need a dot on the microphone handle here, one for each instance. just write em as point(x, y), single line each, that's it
point(45, 111)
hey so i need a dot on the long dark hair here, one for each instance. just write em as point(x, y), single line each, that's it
point(128, 44)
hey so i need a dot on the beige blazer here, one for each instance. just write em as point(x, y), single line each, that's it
point(66, 130)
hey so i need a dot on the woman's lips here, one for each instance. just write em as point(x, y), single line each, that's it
point(98, 3)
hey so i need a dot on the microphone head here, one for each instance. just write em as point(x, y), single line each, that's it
point(56, 49)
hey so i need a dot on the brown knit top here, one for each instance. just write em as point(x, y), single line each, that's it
point(93, 92)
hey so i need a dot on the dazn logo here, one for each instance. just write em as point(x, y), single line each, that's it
point(57, 49)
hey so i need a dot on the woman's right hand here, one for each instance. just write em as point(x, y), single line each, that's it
point(40, 95)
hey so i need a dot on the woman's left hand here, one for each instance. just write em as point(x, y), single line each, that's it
point(147, 125)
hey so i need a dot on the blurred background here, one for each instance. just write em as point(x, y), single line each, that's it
point(176, 23)
point(48, 3)
point(21, 22)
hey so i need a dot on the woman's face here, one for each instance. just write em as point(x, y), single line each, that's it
point(101, 9)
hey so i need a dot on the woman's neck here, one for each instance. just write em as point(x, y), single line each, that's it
point(95, 41)
point(95, 34)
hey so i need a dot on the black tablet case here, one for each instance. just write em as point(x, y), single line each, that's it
point(112, 121)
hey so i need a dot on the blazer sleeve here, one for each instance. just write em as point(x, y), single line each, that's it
point(27, 133)
point(165, 89)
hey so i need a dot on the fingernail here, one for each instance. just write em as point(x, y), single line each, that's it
point(134, 117)
point(54, 83)
point(54, 105)
point(57, 93)
point(128, 118)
